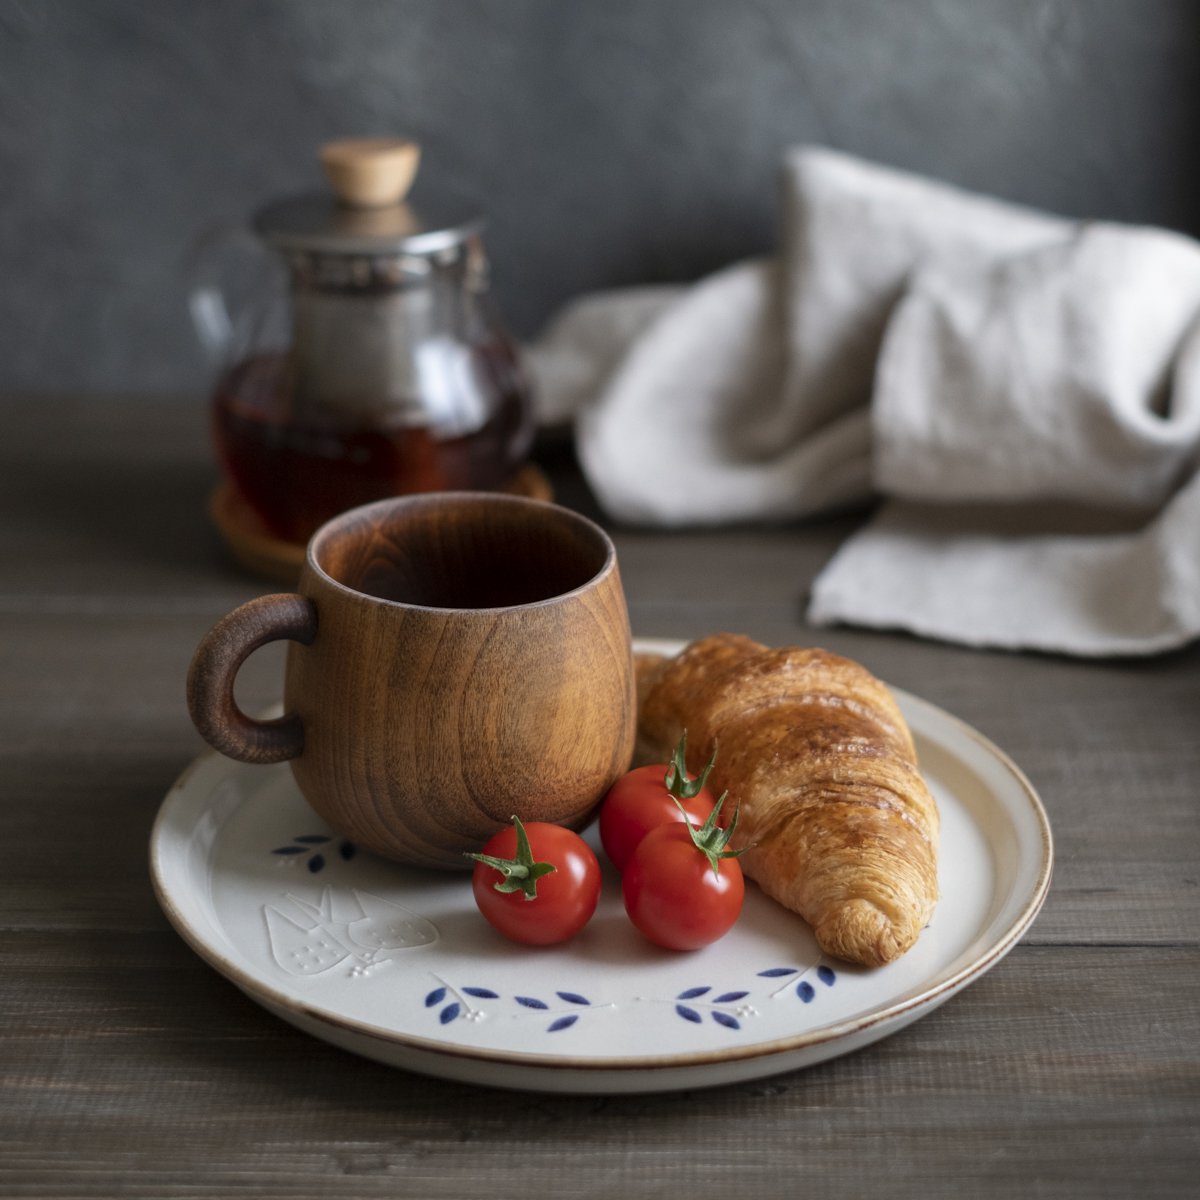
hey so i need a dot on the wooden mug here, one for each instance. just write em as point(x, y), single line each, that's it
point(455, 659)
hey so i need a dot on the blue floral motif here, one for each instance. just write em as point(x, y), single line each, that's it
point(696, 1004)
point(728, 1009)
point(448, 1012)
point(803, 988)
point(460, 1006)
point(721, 1015)
point(308, 844)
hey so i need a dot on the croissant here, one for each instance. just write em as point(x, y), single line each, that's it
point(815, 752)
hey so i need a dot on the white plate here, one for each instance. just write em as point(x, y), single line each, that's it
point(397, 965)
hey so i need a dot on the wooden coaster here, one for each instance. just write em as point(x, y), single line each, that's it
point(262, 553)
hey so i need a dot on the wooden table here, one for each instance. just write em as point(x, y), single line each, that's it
point(130, 1068)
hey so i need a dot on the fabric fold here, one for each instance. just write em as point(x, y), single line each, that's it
point(970, 362)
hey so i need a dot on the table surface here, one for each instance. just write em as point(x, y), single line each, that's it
point(131, 1068)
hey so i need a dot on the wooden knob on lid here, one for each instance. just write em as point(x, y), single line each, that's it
point(371, 172)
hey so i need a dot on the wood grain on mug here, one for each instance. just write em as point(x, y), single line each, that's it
point(471, 661)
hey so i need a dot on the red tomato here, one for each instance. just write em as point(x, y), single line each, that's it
point(639, 802)
point(537, 884)
point(673, 895)
point(645, 798)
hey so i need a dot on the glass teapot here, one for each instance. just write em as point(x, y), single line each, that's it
point(358, 356)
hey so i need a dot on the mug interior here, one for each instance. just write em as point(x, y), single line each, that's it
point(461, 551)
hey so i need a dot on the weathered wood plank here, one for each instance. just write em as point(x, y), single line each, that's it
point(141, 1072)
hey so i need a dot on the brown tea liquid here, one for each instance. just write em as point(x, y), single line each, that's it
point(297, 472)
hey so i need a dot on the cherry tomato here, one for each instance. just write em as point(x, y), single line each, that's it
point(674, 895)
point(537, 884)
point(645, 798)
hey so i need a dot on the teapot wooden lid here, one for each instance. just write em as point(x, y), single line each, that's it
point(371, 172)
point(367, 210)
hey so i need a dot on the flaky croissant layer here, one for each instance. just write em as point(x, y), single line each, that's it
point(816, 753)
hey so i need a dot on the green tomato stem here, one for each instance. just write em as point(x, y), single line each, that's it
point(710, 839)
point(520, 873)
point(677, 780)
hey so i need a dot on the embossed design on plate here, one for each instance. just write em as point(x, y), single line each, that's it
point(345, 926)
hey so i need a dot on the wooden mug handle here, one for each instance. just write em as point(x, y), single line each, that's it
point(215, 666)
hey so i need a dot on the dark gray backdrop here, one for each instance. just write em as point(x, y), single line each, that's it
point(613, 141)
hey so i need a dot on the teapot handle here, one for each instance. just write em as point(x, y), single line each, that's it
point(210, 319)
point(231, 279)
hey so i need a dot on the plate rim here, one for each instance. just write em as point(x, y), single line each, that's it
point(554, 1065)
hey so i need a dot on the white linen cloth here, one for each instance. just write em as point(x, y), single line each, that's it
point(1022, 390)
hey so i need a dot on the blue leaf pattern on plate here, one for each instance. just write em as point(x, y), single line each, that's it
point(743, 999)
point(727, 1009)
point(307, 843)
point(460, 1007)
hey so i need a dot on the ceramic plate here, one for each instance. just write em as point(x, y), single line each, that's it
point(396, 964)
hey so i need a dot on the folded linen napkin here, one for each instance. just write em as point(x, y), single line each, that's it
point(1023, 391)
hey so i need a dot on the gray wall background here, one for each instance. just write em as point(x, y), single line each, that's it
point(611, 141)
